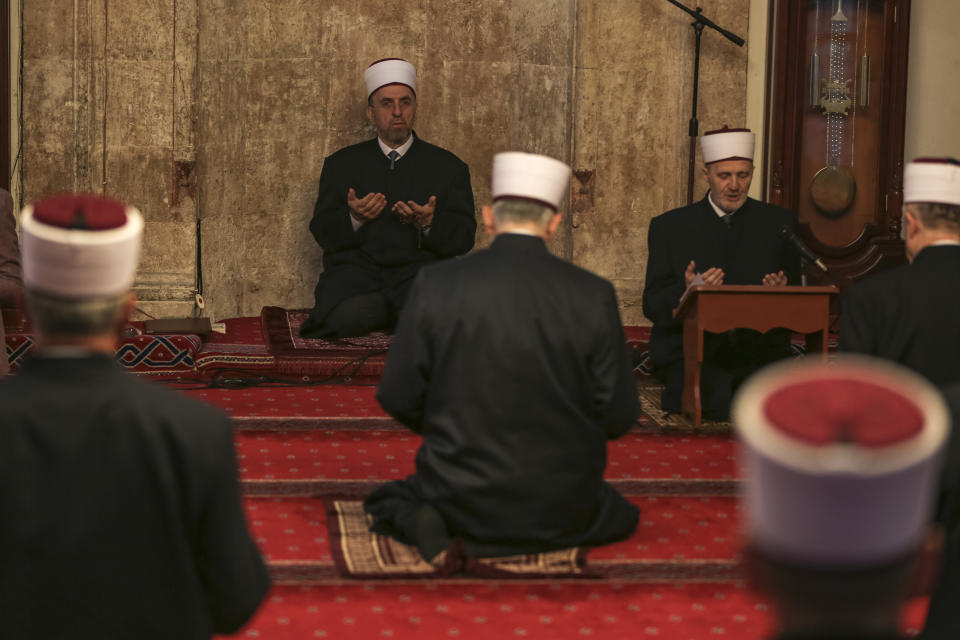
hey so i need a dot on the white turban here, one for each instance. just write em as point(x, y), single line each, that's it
point(935, 180)
point(80, 246)
point(529, 176)
point(389, 71)
point(727, 144)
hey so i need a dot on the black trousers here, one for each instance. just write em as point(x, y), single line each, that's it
point(729, 359)
point(354, 316)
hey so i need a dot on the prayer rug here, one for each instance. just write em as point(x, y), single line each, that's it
point(158, 355)
point(662, 420)
point(137, 352)
point(360, 357)
point(358, 553)
point(240, 347)
point(638, 341)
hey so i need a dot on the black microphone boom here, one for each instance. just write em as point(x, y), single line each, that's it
point(787, 234)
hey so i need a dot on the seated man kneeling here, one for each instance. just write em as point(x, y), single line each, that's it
point(385, 208)
point(513, 365)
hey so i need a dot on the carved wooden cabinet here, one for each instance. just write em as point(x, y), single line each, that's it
point(837, 105)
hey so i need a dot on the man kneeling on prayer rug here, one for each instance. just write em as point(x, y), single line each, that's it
point(513, 365)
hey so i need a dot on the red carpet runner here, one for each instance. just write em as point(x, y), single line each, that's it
point(491, 610)
point(675, 578)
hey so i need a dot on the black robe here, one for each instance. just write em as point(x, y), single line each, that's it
point(385, 253)
point(513, 365)
point(120, 510)
point(747, 249)
point(909, 314)
point(943, 617)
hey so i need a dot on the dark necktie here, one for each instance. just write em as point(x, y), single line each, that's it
point(727, 218)
point(393, 155)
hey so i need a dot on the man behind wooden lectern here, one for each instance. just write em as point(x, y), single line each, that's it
point(725, 238)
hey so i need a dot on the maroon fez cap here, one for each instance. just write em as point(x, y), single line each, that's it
point(847, 411)
point(84, 211)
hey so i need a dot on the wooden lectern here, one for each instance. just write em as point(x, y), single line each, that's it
point(721, 308)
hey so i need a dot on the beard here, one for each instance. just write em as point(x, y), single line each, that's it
point(396, 135)
point(730, 205)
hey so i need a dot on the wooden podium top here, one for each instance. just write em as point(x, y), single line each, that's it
point(750, 289)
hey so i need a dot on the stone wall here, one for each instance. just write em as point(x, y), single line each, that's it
point(222, 111)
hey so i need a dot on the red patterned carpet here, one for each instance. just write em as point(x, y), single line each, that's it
point(639, 462)
point(306, 407)
point(299, 447)
point(676, 577)
point(492, 610)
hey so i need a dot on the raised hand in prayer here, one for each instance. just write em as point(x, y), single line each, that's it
point(366, 208)
point(420, 216)
point(777, 279)
point(712, 276)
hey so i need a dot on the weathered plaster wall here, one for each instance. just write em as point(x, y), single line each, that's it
point(107, 109)
point(633, 87)
point(224, 110)
point(282, 88)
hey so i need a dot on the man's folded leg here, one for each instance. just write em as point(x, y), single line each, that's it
point(399, 511)
point(356, 316)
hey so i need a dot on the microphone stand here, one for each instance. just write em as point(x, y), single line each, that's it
point(698, 24)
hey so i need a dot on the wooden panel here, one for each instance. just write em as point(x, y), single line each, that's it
point(5, 54)
point(862, 139)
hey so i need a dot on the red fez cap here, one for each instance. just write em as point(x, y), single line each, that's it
point(846, 411)
point(82, 211)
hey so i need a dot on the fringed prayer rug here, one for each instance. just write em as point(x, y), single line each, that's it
point(358, 553)
point(662, 420)
point(360, 357)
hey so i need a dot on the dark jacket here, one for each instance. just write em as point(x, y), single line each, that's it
point(746, 250)
point(120, 511)
point(909, 314)
point(943, 616)
point(385, 253)
point(513, 365)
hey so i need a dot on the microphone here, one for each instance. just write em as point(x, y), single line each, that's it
point(787, 234)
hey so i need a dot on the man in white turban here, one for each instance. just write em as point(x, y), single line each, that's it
point(120, 508)
point(513, 365)
point(725, 238)
point(385, 208)
point(911, 314)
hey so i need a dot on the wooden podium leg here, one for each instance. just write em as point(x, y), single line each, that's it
point(692, 363)
point(816, 344)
